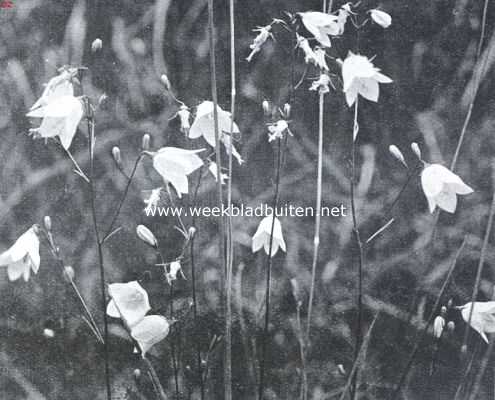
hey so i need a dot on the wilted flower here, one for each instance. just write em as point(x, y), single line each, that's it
point(342, 15)
point(213, 169)
point(184, 115)
point(204, 125)
point(381, 18)
point(321, 25)
point(309, 54)
point(483, 317)
point(394, 150)
point(152, 200)
point(262, 236)
point(130, 303)
point(59, 86)
point(60, 118)
point(259, 40)
point(321, 84)
point(277, 130)
point(441, 187)
point(174, 164)
point(320, 61)
point(22, 257)
point(146, 236)
point(361, 78)
point(438, 326)
point(174, 269)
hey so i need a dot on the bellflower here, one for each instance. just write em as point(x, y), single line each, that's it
point(22, 257)
point(321, 25)
point(262, 236)
point(483, 317)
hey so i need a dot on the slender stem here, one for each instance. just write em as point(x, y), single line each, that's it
point(172, 346)
point(154, 378)
point(269, 276)
point(78, 169)
point(109, 231)
point(302, 353)
point(432, 315)
point(230, 246)
point(479, 376)
point(316, 241)
point(91, 137)
point(359, 246)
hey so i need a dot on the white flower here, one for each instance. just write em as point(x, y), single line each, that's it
point(130, 303)
point(262, 236)
point(60, 118)
point(361, 77)
point(152, 200)
point(59, 86)
point(213, 169)
point(321, 25)
point(342, 15)
point(438, 326)
point(174, 164)
point(321, 84)
point(277, 130)
point(381, 18)
point(184, 115)
point(23, 256)
point(483, 317)
point(321, 62)
point(174, 269)
point(204, 125)
point(441, 187)
point(259, 40)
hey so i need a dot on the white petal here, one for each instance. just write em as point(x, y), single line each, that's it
point(274, 247)
point(317, 23)
point(16, 270)
point(379, 77)
point(432, 179)
point(150, 331)
point(431, 204)
point(381, 18)
point(258, 241)
point(368, 88)
point(447, 200)
point(351, 94)
point(226, 139)
point(187, 159)
point(131, 301)
point(112, 310)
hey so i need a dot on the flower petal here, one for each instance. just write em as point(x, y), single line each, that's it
point(131, 301)
point(447, 200)
point(150, 331)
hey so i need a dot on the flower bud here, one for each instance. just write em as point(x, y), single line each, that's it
point(450, 303)
point(145, 144)
point(69, 274)
point(341, 370)
point(96, 45)
point(116, 156)
point(48, 333)
point(443, 311)
point(451, 326)
point(266, 108)
point(191, 232)
point(415, 148)
point(287, 109)
point(47, 221)
point(136, 374)
point(295, 291)
point(165, 81)
point(464, 349)
point(438, 326)
point(146, 236)
point(394, 150)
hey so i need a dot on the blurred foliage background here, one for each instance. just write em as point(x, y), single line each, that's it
point(429, 52)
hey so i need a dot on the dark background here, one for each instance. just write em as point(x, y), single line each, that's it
point(429, 52)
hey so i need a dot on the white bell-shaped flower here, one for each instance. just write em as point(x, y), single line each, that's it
point(483, 317)
point(361, 77)
point(60, 118)
point(151, 330)
point(441, 187)
point(129, 302)
point(262, 236)
point(22, 257)
point(174, 164)
point(58, 86)
point(321, 25)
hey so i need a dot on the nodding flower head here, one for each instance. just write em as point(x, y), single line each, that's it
point(321, 25)
point(482, 318)
point(23, 256)
point(262, 236)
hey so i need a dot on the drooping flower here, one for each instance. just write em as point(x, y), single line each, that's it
point(58, 86)
point(60, 118)
point(174, 164)
point(152, 199)
point(321, 25)
point(483, 317)
point(130, 303)
point(264, 32)
point(23, 256)
point(381, 18)
point(262, 236)
point(174, 269)
point(204, 125)
point(213, 169)
point(322, 84)
point(441, 187)
point(184, 115)
point(277, 130)
point(361, 77)
point(438, 326)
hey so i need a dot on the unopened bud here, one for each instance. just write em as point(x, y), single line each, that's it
point(438, 326)
point(415, 148)
point(48, 333)
point(165, 81)
point(117, 156)
point(145, 144)
point(287, 109)
point(69, 274)
point(451, 326)
point(47, 221)
point(464, 349)
point(443, 311)
point(136, 374)
point(96, 45)
point(266, 108)
point(450, 303)
point(341, 370)
point(295, 291)
point(191, 232)
point(146, 236)
point(394, 150)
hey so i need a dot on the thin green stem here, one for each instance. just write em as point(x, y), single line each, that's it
point(154, 378)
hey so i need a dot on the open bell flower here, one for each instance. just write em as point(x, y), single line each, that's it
point(361, 77)
point(483, 317)
point(175, 164)
point(60, 118)
point(204, 125)
point(151, 330)
point(381, 18)
point(23, 256)
point(174, 269)
point(441, 187)
point(59, 86)
point(262, 236)
point(321, 25)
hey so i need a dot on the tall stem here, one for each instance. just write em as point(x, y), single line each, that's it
point(269, 276)
point(316, 240)
point(91, 137)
